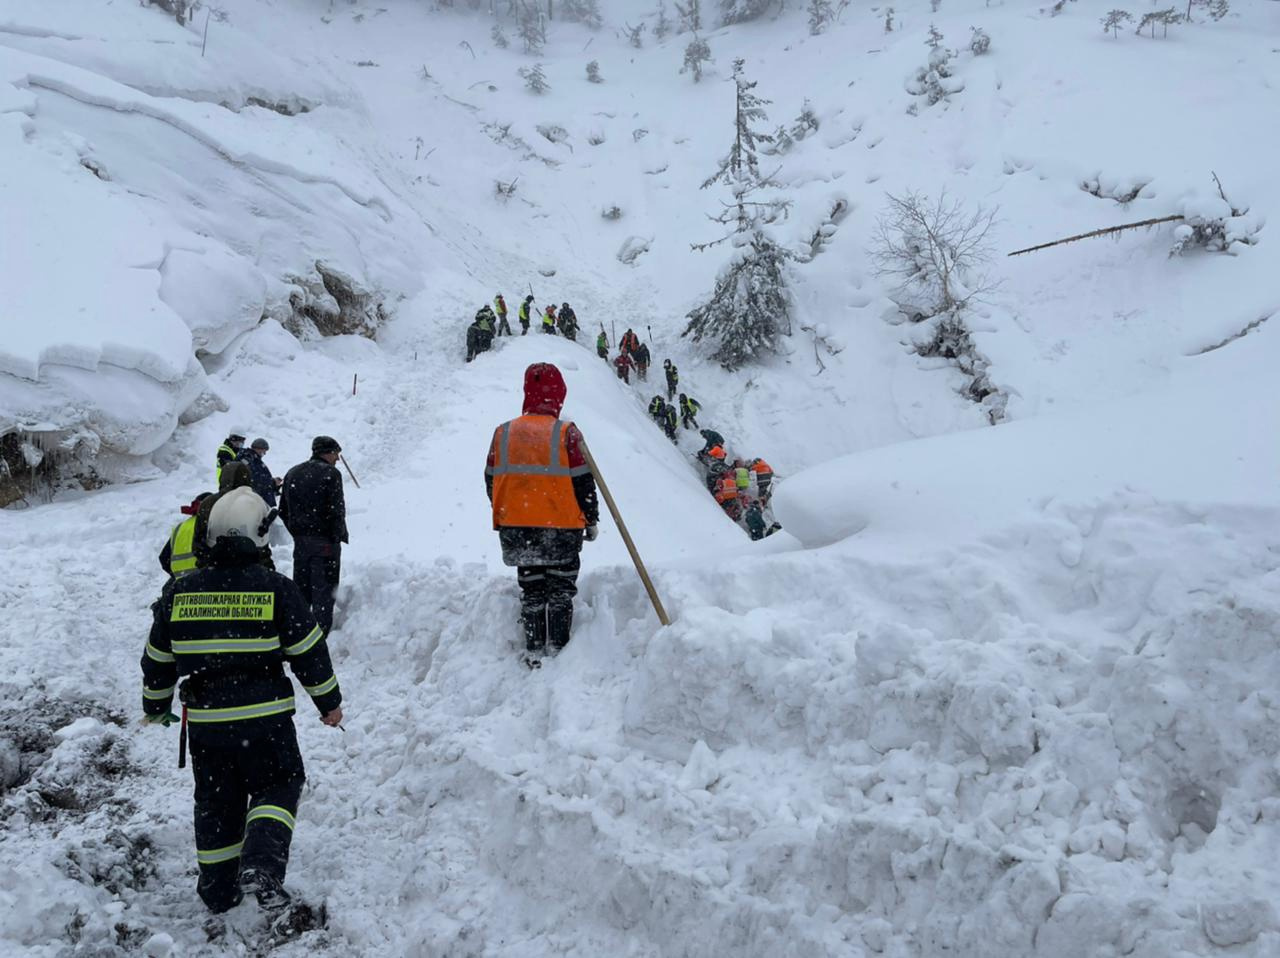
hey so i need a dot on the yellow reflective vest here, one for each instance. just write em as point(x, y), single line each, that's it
point(231, 454)
point(182, 547)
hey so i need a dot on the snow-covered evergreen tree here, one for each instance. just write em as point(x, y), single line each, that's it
point(979, 41)
point(662, 26)
point(533, 32)
point(690, 16)
point(820, 14)
point(1114, 20)
point(888, 20)
point(586, 12)
point(499, 38)
point(750, 308)
point(593, 72)
point(534, 79)
point(695, 55)
point(742, 11)
point(635, 35)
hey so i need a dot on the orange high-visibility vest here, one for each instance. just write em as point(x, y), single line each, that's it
point(761, 468)
point(726, 489)
point(532, 478)
point(716, 452)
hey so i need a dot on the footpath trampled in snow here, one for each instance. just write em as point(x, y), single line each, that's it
point(999, 693)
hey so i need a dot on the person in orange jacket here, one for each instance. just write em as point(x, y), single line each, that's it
point(764, 478)
point(544, 507)
point(725, 489)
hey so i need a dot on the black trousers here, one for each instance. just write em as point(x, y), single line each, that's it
point(689, 421)
point(249, 778)
point(546, 603)
point(317, 568)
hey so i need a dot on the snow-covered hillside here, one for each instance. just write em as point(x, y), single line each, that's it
point(996, 691)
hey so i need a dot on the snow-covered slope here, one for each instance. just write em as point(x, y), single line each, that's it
point(1004, 692)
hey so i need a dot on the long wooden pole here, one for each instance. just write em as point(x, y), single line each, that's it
point(626, 537)
point(349, 472)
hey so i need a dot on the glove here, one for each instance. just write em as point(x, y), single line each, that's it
point(167, 719)
point(590, 533)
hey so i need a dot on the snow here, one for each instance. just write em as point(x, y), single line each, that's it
point(998, 692)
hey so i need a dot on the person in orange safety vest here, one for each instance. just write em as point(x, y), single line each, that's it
point(544, 507)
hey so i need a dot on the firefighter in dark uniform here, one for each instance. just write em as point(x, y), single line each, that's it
point(315, 513)
point(227, 630)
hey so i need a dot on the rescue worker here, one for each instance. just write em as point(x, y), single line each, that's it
point(523, 314)
point(689, 409)
point(227, 630)
point(673, 377)
point(725, 489)
point(178, 555)
point(568, 322)
point(549, 320)
point(764, 478)
point(315, 513)
point(235, 475)
point(713, 452)
point(602, 346)
point(641, 357)
point(260, 478)
point(630, 342)
point(500, 308)
point(228, 452)
point(544, 506)
point(670, 421)
point(658, 411)
point(622, 366)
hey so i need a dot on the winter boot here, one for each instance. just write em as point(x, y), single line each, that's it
point(535, 630)
point(559, 621)
point(266, 888)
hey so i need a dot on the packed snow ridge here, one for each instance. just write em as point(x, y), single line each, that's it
point(996, 691)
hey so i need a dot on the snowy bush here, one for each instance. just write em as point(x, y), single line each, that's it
point(499, 38)
point(595, 138)
point(1114, 20)
point(750, 308)
point(695, 55)
point(504, 189)
point(888, 20)
point(979, 41)
point(593, 72)
point(1215, 225)
point(535, 80)
point(612, 212)
point(635, 35)
point(180, 9)
point(937, 251)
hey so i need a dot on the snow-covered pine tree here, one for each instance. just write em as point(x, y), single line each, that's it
point(593, 72)
point(1114, 20)
point(979, 41)
point(534, 79)
point(690, 16)
point(695, 55)
point(586, 12)
point(820, 14)
point(533, 33)
point(499, 38)
point(661, 26)
point(749, 308)
point(741, 11)
point(935, 38)
point(635, 35)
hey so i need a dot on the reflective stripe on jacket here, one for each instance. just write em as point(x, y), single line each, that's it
point(225, 455)
point(532, 477)
point(182, 549)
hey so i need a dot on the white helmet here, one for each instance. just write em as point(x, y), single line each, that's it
point(239, 512)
